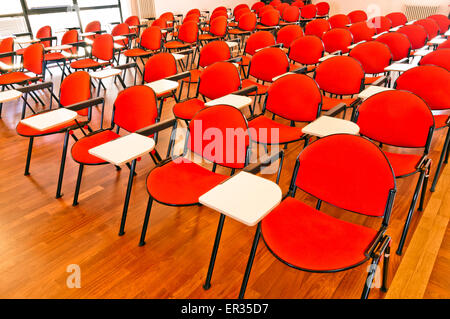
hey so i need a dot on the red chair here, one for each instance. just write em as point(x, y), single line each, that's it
point(122, 29)
point(287, 34)
point(397, 18)
point(102, 49)
point(430, 25)
point(134, 23)
point(374, 57)
point(440, 58)
point(431, 83)
point(217, 29)
point(62, 56)
point(269, 20)
point(290, 15)
point(307, 51)
point(298, 3)
point(239, 7)
point(362, 31)
point(337, 40)
point(237, 16)
point(44, 34)
point(307, 13)
point(323, 9)
point(264, 66)
point(403, 120)
point(187, 37)
point(416, 34)
point(217, 80)
point(398, 44)
point(246, 25)
point(357, 16)
point(307, 239)
point(93, 26)
point(443, 22)
point(293, 97)
point(190, 179)
point(6, 46)
point(317, 27)
point(381, 24)
point(75, 94)
point(341, 76)
point(257, 6)
point(275, 3)
point(169, 18)
point(339, 21)
point(256, 41)
point(193, 12)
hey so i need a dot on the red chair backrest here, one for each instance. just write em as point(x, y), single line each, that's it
point(103, 47)
point(416, 34)
point(188, 32)
point(309, 11)
point(340, 75)
point(132, 20)
point(193, 12)
point(93, 26)
point(270, 18)
point(346, 171)
point(291, 14)
point(44, 32)
point(306, 50)
point(374, 56)
point(339, 21)
point(362, 31)
point(76, 88)
point(398, 43)
point(430, 25)
point(218, 14)
point(398, 118)
point(323, 8)
point(430, 82)
point(442, 20)
point(7, 45)
point(298, 3)
point(397, 18)
point(357, 16)
point(381, 24)
point(288, 34)
point(212, 52)
point(294, 97)
point(247, 22)
point(337, 39)
point(239, 13)
point(151, 38)
point(168, 16)
point(218, 26)
point(268, 63)
point(220, 134)
point(219, 79)
point(159, 66)
point(135, 108)
point(257, 6)
point(161, 23)
point(70, 36)
point(317, 27)
point(438, 57)
point(33, 58)
point(240, 6)
point(259, 40)
point(191, 18)
point(121, 29)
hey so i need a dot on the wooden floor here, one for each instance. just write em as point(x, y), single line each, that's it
point(40, 236)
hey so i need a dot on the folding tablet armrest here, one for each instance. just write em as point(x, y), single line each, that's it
point(126, 66)
point(7, 54)
point(338, 52)
point(246, 90)
point(35, 87)
point(380, 81)
point(151, 19)
point(403, 60)
point(157, 127)
point(266, 161)
point(47, 39)
point(187, 51)
point(130, 35)
point(234, 60)
point(79, 44)
point(179, 76)
point(302, 70)
point(89, 103)
point(23, 34)
point(336, 110)
point(33, 79)
point(375, 245)
point(178, 15)
point(278, 45)
point(114, 23)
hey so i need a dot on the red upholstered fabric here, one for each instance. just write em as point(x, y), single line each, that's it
point(187, 109)
point(266, 131)
point(347, 171)
point(329, 102)
point(33, 58)
point(70, 36)
point(121, 29)
point(159, 66)
point(247, 22)
point(218, 26)
point(151, 38)
point(270, 18)
point(442, 20)
point(6, 45)
point(362, 31)
point(26, 130)
point(245, 60)
point(294, 97)
point(288, 34)
point(76, 88)
point(176, 45)
point(13, 77)
point(137, 52)
point(290, 14)
point(440, 121)
point(374, 56)
point(445, 45)
point(403, 164)
point(212, 52)
point(397, 118)
point(309, 11)
point(188, 32)
point(357, 16)
point(439, 58)
point(103, 47)
point(397, 18)
point(84, 64)
point(268, 63)
point(317, 27)
point(371, 79)
point(306, 50)
point(323, 8)
point(430, 82)
point(416, 34)
point(339, 21)
point(257, 6)
point(195, 75)
point(240, 6)
point(398, 44)
point(341, 75)
point(220, 134)
point(219, 79)
point(80, 150)
point(54, 56)
point(380, 23)
point(135, 108)
point(93, 26)
point(430, 25)
point(298, 3)
point(44, 32)
point(337, 39)
point(161, 23)
point(309, 239)
point(261, 88)
point(259, 40)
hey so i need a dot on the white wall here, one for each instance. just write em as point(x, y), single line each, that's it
point(183, 6)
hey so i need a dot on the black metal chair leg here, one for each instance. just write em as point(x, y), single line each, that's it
point(424, 189)
point(212, 261)
point(63, 163)
point(27, 165)
point(387, 252)
point(145, 224)
point(251, 258)
point(410, 213)
point(444, 154)
point(370, 277)
point(77, 188)
point(127, 199)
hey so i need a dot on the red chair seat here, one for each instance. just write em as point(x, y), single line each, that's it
point(13, 77)
point(237, 31)
point(264, 27)
point(330, 102)
point(176, 45)
point(206, 36)
point(181, 183)
point(80, 150)
point(84, 64)
point(134, 53)
point(54, 56)
point(262, 89)
point(309, 239)
point(440, 121)
point(370, 79)
point(286, 133)
point(403, 164)
point(187, 109)
point(25, 130)
point(195, 75)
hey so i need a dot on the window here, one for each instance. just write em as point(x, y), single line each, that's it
point(11, 7)
point(34, 4)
